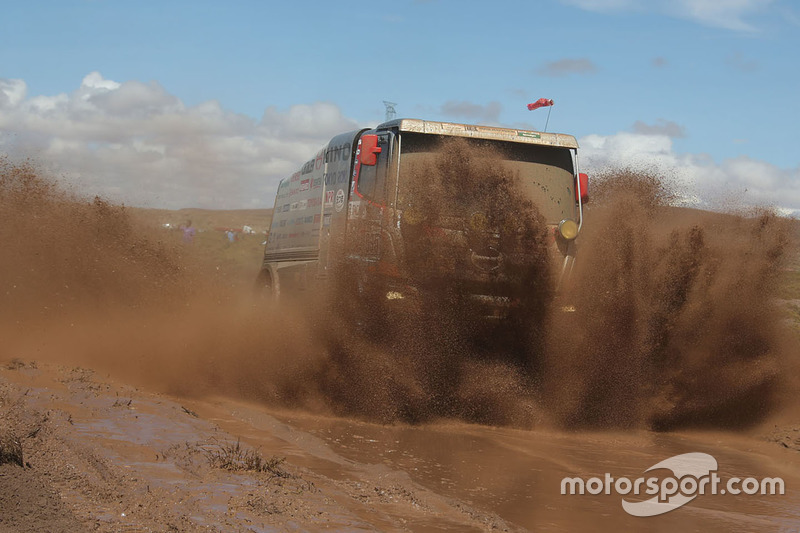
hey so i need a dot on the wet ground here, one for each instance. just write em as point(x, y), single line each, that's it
point(105, 456)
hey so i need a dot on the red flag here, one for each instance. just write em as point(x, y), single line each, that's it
point(541, 102)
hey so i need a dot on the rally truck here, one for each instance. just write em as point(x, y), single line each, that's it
point(362, 205)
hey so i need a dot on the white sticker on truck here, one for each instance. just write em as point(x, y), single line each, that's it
point(339, 202)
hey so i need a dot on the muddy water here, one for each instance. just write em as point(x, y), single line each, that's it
point(449, 469)
point(517, 474)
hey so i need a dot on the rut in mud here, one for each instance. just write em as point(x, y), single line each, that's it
point(674, 323)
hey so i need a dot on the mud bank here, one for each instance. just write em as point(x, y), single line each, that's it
point(103, 456)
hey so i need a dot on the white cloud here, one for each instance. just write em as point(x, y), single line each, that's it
point(303, 121)
point(94, 80)
point(136, 143)
point(12, 93)
point(698, 179)
point(728, 14)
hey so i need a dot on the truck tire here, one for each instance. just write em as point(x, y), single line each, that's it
point(265, 289)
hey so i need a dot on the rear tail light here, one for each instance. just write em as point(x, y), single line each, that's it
point(583, 181)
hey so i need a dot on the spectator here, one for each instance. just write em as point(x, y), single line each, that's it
point(188, 232)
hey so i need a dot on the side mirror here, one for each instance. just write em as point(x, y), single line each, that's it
point(369, 150)
point(583, 181)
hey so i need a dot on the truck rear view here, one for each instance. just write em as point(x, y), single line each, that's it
point(415, 209)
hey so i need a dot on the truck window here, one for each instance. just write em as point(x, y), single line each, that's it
point(546, 172)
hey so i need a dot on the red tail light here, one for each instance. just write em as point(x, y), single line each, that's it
point(583, 181)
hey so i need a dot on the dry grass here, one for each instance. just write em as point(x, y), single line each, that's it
point(10, 450)
point(17, 363)
point(234, 457)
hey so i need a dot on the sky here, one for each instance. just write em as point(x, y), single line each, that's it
point(209, 104)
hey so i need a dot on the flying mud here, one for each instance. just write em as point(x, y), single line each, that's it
point(668, 320)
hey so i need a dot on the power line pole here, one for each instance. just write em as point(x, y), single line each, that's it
point(390, 111)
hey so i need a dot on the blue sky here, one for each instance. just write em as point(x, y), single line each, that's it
point(181, 104)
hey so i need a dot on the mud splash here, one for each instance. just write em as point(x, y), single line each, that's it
point(434, 354)
point(62, 253)
point(675, 323)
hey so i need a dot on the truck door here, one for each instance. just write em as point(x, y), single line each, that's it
point(368, 210)
point(338, 176)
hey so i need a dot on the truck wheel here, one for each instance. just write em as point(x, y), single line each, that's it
point(264, 287)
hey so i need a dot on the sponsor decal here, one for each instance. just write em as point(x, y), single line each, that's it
point(339, 200)
point(307, 168)
point(334, 178)
point(337, 153)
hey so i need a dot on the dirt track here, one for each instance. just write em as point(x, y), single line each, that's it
point(103, 456)
point(107, 457)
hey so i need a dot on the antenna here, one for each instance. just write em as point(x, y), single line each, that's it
point(390, 111)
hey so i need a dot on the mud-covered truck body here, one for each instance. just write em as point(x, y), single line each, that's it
point(362, 203)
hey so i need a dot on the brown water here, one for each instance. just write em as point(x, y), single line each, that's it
point(432, 475)
point(517, 474)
